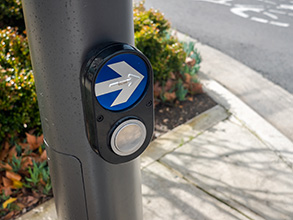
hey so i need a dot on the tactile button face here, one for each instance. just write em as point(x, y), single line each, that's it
point(121, 82)
point(128, 137)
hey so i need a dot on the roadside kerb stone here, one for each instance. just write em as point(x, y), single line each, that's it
point(263, 130)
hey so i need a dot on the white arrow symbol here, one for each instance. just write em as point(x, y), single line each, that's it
point(240, 11)
point(127, 83)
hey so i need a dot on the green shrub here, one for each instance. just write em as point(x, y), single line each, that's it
point(174, 64)
point(18, 100)
point(152, 38)
point(11, 14)
point(151, 17)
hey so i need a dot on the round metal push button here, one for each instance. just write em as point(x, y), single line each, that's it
point(128, 137)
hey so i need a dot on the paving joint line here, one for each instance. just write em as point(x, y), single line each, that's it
point(179, 174)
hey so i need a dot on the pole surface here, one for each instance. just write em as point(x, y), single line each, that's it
point(61, 34)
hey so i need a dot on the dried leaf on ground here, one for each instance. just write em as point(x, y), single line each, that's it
point(30, 200)
point(196, 88)
point(17, 184)
point(42, 182)
point(8, 201)
point(169, 84)
point(20, 205)
point(12, 153)
point(190, 98)
point(37, 195)
point(7, 186)
point(5, 166)
point(35, 157)
point(157, 89)
point(26, 162)
point(13, 176)
point(24, 146)
point(7, 182)
point(4, 151)
point(44, 156)
point(7, 190)
point(170, 96)
point(40, 140)
point(34, 142)
point(9, 215)
point(188, 78)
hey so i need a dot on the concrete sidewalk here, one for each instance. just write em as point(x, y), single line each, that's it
point(225, 167)
point(227, 163)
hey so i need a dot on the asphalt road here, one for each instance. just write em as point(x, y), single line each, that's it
point(258, 33)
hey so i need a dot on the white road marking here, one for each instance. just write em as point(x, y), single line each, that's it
point(280, 24)
point(288, 7)
point(220, 2)
point(259, 20)
point(244, 11)
point(240, 11)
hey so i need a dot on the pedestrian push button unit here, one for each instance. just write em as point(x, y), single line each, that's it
point(117, 94)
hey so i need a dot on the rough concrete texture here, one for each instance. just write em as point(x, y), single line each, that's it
point(167, 195)
point(241, 171)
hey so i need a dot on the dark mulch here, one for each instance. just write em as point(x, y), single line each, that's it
point(169, 116)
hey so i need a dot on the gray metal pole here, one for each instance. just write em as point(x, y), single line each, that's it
point(61, 34)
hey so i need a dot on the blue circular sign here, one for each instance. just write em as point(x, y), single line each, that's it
point(121, 82)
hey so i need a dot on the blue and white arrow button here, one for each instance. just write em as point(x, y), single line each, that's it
point(121, 82)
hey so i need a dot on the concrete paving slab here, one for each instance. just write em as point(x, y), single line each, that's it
point(166, 195)
point(232, 164)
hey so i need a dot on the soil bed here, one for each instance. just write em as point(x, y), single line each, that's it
point(169, 116)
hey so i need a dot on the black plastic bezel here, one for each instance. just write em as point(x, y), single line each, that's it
point(100, 122)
